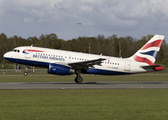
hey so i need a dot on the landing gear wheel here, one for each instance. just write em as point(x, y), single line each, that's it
point(78, 79)
point(25, 73)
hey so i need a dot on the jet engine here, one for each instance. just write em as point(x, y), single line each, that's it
point(60, 69)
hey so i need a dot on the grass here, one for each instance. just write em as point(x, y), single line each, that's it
point(84, 104)
point(86, 78)
point(143, 104)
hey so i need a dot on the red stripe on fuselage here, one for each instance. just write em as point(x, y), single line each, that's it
point(156, 43)
point(142, 59)
point(33, 50)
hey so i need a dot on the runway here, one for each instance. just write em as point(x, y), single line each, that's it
point(84, 85)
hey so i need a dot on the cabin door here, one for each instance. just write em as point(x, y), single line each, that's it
point(127, 65)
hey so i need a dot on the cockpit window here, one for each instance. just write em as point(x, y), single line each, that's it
point(15, 50)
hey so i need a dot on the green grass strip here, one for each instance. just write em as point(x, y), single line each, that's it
point(84, 104)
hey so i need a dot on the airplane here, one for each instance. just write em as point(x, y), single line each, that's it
point(79, 23)
point(60, 62)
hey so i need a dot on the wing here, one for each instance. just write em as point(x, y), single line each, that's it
point(86, 64)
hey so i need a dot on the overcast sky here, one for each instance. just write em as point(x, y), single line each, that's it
point(136, 18)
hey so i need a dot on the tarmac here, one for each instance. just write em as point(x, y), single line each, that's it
point(84, 85)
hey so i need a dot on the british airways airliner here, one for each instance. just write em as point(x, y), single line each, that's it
point(60, 62)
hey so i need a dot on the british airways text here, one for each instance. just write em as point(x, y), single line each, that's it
point(48, 57)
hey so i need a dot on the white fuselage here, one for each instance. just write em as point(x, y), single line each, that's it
point(42, 57)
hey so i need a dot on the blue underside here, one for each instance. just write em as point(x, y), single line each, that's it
point(46, 65)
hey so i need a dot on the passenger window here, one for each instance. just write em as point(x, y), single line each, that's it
point(18, 51)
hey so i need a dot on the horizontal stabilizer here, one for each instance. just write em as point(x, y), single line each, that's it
point(153, 68)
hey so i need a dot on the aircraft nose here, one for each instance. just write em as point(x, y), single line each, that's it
point(6, 55)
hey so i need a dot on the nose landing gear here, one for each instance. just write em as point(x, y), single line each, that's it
point(26, 71)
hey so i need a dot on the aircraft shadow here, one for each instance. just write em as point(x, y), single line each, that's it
point(96, 83)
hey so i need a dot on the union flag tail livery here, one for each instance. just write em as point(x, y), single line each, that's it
point(60, 62)
point(148, 53)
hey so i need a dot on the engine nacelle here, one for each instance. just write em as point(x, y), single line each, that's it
point(60, 69)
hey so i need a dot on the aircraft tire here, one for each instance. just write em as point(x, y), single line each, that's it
point(25, 73)
point(78, 79)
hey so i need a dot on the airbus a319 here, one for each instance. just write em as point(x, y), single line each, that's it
point(60, 62)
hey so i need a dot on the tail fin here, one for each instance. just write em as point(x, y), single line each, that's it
point(148, 53)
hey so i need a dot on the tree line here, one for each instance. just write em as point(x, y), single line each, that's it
point(111, 46)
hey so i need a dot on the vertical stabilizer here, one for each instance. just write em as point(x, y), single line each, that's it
point(148, 53)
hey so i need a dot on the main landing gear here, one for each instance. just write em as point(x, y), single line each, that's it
point(78, 78)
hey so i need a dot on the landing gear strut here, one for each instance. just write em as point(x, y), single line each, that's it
point(78, 78)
